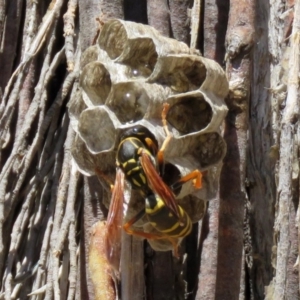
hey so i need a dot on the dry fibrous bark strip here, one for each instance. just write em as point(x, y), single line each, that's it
point(47, 74)
point(73, 260)
point(36, 45)
point(44, 122)
point(9, 41)
point(288, 157)
point(180, 20)
point(69, 216)
point(69, 25)
point(31, 223)
point(9, 163)
point(58, 195)
point(62, 197)
point(95, 9)
point(159, 16)
point(195, 23)
point(214, 29)
point(20, 227)
point(30, 26)
point(37, 107)
point(132, 264)
point(30, 29)
point(34, 189)
point(110, 9)
point(87, 22)
point(47, 223)
point(214, 48)
point(207, 277)
point(263, 135)
point(239, 40)
point(2, 21)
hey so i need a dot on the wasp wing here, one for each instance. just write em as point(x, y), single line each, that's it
point(114, 223)
point(158, 186)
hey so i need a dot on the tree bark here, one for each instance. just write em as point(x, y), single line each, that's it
point(246, 246)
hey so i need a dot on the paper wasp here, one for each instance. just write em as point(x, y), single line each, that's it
point(140, 162)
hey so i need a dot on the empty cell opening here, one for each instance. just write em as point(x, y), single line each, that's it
point(138, 53)
point(96, 82)
point(196, 74)
point(141, 57)
point(129, 101)
point(209, 149)
point(181, 73)
point(190, 114)
point(97, 130)
point(113, 38)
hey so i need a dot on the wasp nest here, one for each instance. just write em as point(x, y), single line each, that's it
point(125, 80)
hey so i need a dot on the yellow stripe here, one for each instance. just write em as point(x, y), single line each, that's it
point(143, 178)
point(186, 229)
point(133, 141)
point(131, 161)
point(159, 205)
point(175, 226)
point(132, 170)
point(135, 182)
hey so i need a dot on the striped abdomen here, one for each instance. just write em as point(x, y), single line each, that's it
point(162, 219)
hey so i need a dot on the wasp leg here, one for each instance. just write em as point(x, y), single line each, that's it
point(175, 247)
point(160, 154)
point(100, 174)
point(195, 175)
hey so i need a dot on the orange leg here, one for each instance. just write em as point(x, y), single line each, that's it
point(160, 155)
point(195, 175)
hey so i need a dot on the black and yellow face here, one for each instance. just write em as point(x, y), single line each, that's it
point(132, 142)
point(145, 137)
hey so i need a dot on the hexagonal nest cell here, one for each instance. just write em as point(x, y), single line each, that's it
point(129, 101)
point(129, 43)
point(126, 79)
point(182, 73)
point(96, 82)
point(189, 115)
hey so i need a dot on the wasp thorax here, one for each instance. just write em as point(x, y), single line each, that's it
point(126, 79)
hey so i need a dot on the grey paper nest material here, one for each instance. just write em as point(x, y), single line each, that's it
point(125, 80)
